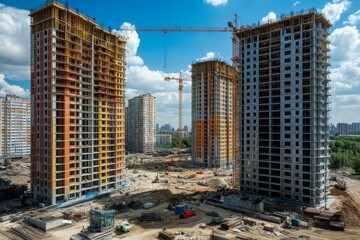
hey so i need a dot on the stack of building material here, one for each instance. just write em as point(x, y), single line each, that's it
point(166, 235)
point(231, 224)
point(148, 217)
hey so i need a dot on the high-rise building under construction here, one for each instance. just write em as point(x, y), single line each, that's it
point(212, 113)
point(283, 110)
point(77, 101)
point(140, 124)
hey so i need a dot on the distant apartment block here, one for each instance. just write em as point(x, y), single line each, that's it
point(343, 129)
point(175, 134)
point(77, 97)
point(14, 126)
point(283, 108)
point(354, 128)
point(140, 124)
point(163, 138)
point(212, 113)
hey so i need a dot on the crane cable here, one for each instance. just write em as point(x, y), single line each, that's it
point(165, 58)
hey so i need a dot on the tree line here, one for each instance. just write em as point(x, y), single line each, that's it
point(186, 143)
point(345, 152)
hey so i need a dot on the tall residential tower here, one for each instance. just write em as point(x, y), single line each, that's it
point(284, 108)
point(77, 97)
point(212, 113)
point(140, 124)
point(14, 127)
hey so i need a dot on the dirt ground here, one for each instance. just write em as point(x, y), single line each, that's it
point(348, 203)
point(182, 182)
point(18, 172)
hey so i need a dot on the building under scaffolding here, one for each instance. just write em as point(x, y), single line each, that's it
point(283, 108)
point(212, 113)
point(77, 91)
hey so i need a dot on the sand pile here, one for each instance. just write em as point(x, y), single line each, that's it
point(217, 183)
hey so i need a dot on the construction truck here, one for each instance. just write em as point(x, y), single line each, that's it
point(340, 184)
point(125, 226)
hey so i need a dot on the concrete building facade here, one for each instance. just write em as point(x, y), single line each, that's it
point(77, 102)
point(140, 124)
point(283, 98)
point(163, 138)
point(343, 128)
point(212, 113)
point(354, 128)
point(2, 128)
point(14, 127)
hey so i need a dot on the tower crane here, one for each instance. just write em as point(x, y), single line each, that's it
point(180, 79)
point(178, 29)
point(232, 27)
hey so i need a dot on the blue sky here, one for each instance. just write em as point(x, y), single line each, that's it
point(146, 49)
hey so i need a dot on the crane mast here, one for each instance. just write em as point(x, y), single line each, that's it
point(181, 86)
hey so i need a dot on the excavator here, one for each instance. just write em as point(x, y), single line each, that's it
point(340, 184)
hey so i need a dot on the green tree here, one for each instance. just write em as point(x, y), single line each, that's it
point(186, 142)
point(356, 166)
point(345, 152)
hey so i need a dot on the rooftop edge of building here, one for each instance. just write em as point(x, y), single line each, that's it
point(210, 60)
point(65, 6)
point(284, 17)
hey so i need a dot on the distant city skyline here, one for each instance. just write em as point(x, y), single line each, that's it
point(342, 128)
point(145, 51)
point(169, 127)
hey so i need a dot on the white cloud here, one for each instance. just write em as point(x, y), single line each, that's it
point(269, 18)
point(354, 18)
point(345, 108)
point(345, 44)
point(132, 44)
point(134, 60)
point(6, 88)
point(346, 78)
point(216, 2)
point(208, 56)
point(334, 9)
point(296, 3)
point(144, 78)
point(345, 74)
point(14, 42)
point(141, 79)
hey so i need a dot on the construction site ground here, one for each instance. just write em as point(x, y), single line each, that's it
point(180, 180)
